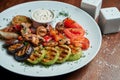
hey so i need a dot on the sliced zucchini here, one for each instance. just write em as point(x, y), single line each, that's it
point(65, 52)
point(50, 57)
point(76, 54)
point(36, 56)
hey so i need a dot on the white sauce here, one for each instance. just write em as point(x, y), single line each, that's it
point(42, 15)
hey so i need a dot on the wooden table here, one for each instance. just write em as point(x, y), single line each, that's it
point(105, 66)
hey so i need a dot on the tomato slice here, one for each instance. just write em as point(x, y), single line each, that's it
point(75, 25)
point(68, 22)
point(74, 32)
point(82, 42)
point(47, 38)
point(77, 31)
point(85, 44)
point(68, 33)
point(18, 27)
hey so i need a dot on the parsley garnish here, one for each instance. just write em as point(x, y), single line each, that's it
point(63, 13)
point(25, 43)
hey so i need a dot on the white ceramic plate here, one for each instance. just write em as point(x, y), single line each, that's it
point(93, 34)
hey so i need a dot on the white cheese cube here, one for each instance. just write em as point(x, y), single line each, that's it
point(92, 7)
point(109, 20)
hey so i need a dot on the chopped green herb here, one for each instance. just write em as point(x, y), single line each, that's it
point(35, 51)
point(3, 18)
point(53, 10)
point(24, 29)
point(29, 10)
point(88, 53)
point(25, 43)
point(63, 13)
point(46, 56)
point(57, 16)
point(66, 7)
point(3, 49)
point(46, 66)
point(26, 64)
point(24, 69)
point(6, 19)
point(12, 65)
point(86, 33)
point(90, 46)
point(83, 56)
point(37, 72)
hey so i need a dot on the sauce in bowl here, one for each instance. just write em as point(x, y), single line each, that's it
point(42, 15)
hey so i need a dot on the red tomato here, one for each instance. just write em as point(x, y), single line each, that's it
point(74, 32)
point(75, 25)
point(47, 38)
point(68, 22)
point(68, 33)
point(81, 42)
point(18, 27)
point(77, 31)
point(85, 44)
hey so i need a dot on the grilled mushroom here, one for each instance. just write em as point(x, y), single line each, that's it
point(41, 30)
point(59, 26)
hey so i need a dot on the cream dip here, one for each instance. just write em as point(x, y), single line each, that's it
point(42, 16)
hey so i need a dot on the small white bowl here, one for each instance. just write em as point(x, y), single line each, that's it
point(42, 15)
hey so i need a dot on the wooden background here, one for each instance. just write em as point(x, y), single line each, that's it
point(105, 66)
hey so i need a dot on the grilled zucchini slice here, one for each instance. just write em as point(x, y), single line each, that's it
point(50, 57)
point(76, 54)
point(65, 52)
point(36, 56)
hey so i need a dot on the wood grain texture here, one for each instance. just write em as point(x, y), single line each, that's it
point(105, 66)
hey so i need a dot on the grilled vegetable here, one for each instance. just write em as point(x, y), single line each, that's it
point(76, 53)
point(34, 39)
point(36, 56)
point(75, 56)
point(59, 27)
point(8, 35)
point(24, 53)
point(15, 47)
point(65, 52)
point(10, 42)
point(17, 20)
point(41, 31)
point(51, 56)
